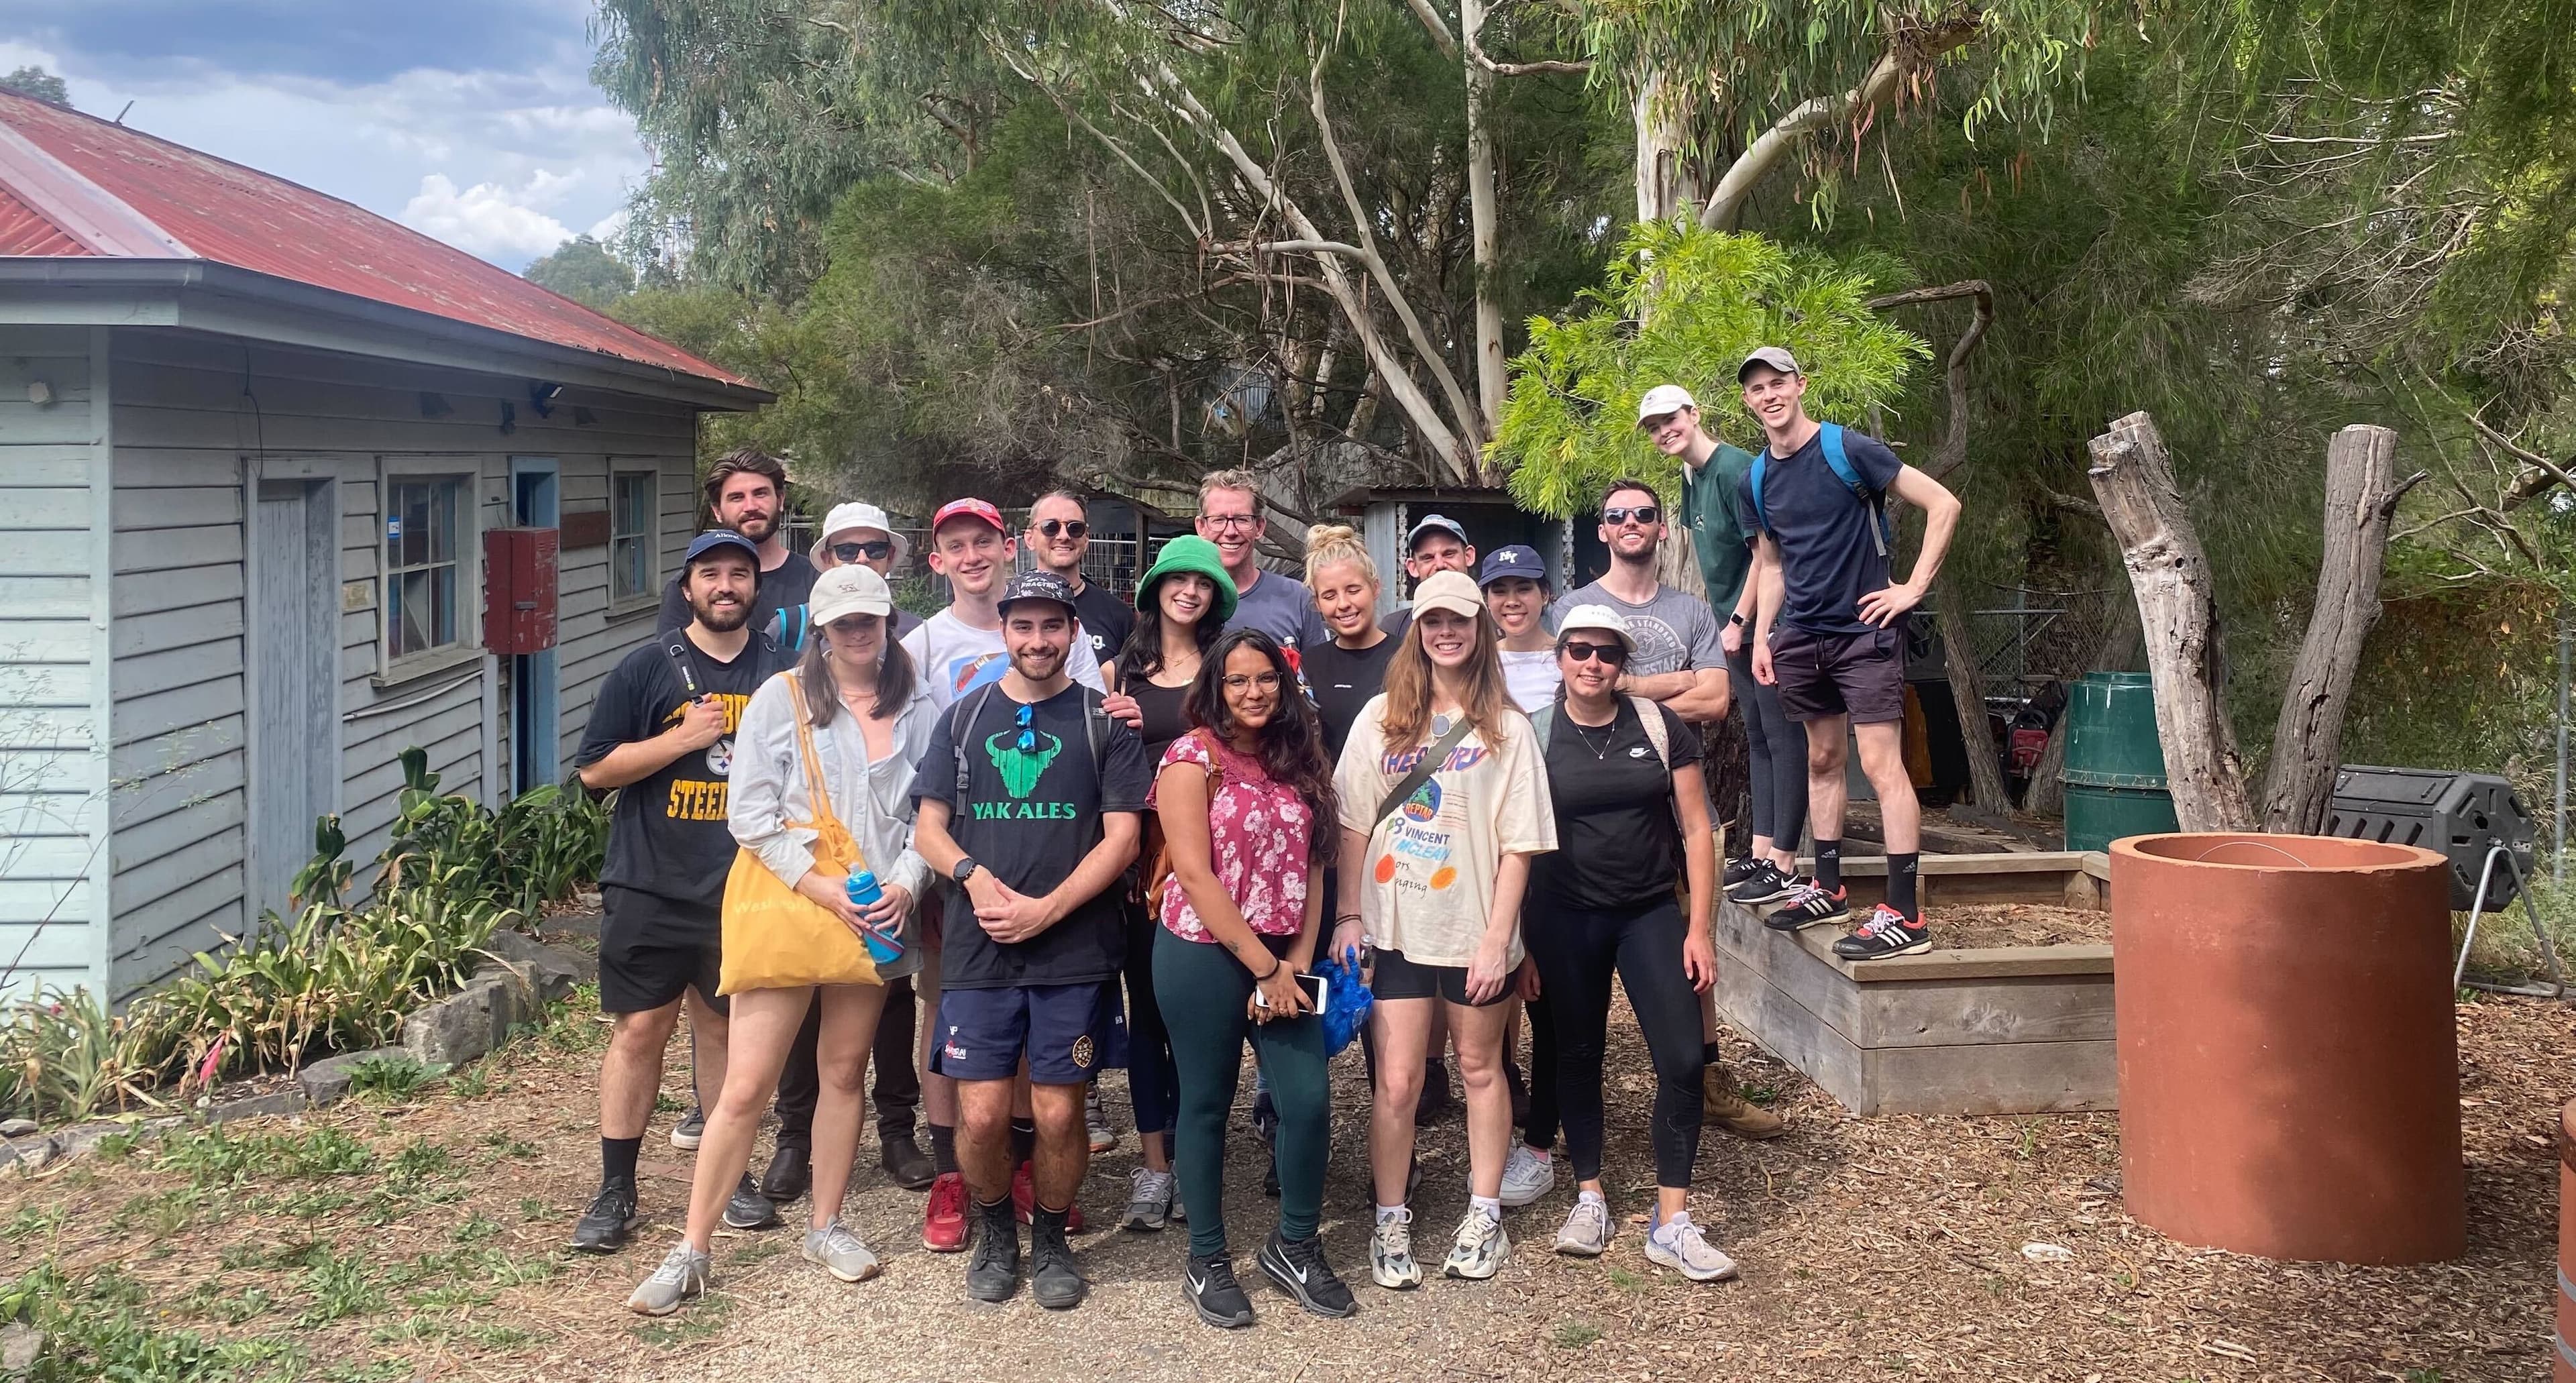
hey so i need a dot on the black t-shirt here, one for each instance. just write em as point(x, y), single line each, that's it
point(1828, 560)
point(1030, 815)
point(1164, 720)
point(791, 585)
point(667, 834)
point(1106, 620)
point(1617, 841)
point(1342, 680)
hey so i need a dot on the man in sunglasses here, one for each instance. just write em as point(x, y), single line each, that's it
point(858, 534)
point(1059, 536)
point(1678, 662)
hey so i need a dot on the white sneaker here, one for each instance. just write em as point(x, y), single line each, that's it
point(683, 1274)
point(1149, 1204)
point(1480, 1246)
point(1678, 1244)
point(840, 1253)
point(1587, 1228)
point(1527, 1175)
point(1391, 1262)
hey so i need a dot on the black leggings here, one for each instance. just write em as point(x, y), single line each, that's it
point(1777, 748)
point(1577, 952)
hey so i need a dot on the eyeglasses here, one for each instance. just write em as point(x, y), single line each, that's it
point(1028, 737)
point(1643, 513)
point(1229, 520)
point(851, 552)
point(1610, 654)
point(1071, 528)
point(1267, 681)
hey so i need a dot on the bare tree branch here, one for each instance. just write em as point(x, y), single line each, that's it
point(1726, 204)
point(2542, 473)
point(1954, 446)
point(1439, 27)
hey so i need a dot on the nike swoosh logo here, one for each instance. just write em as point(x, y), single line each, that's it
point(1297, 1273)
point(1198, 1285)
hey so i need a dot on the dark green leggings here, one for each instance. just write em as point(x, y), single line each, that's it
point(1202, 989)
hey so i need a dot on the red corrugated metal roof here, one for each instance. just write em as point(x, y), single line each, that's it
point(233, 215)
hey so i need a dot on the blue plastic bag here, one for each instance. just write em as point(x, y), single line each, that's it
point(1346, 1001)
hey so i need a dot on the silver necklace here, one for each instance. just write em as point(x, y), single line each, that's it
point(1584, 733)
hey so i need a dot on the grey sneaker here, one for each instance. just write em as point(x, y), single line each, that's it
point(1587, 1228)
point(746, 1208)
point(1103, 1137)
point(840, 1253)
point(1678, 1244)
point(1149, 1205)
point(690, 1131)
point(1391, 1262)
point(1479, 1247)
point(683, 1274)
point(1527, 1175)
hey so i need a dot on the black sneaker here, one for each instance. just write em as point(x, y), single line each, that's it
point(1768, 883)
point(1214, 1293)
point(690, 1131)
point(1885, 934)
point(790, 1175)
point(748, 1209)
point(1299, 1269)
point(993, 1273)
point(1810, 906)
point(611, 1217)
point(1740, 869)
point(1053, 1280)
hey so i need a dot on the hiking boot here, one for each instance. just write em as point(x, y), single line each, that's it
point(904, 1161)
point(1479, 1247)
point(1391, 1262)
point(1024, 1201)
point(1298, 1268)
point(1886, 933)
point(790, 1175)
point(611, 1217)
point(994, 1272)
point(1587, 1229)
point(1766, 883)
point(840, 1253)
point(1149, 1203)
point(1723, 1104)
point(1527, 1175)
point(1214, 1293)
point(943, 1220)
point(690, 1131)
point(1103, 1137)
point(1053, 1279)
point(748, 1209)
point(1679, 1245)
point(683, 1274)
point(1809, 906)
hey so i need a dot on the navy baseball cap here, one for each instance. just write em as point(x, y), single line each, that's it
point(715, 538)
point(1037, 583)
point(1513, 560)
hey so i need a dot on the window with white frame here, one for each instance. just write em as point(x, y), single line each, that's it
point(427, 563)
point(633, 502)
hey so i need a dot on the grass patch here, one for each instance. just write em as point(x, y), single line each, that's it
point(1574, 1334)
point(1626, 1281)
point(97, 1326)
point(700, 1320)
point(340, 1288)
point(392, 1077)
point(2505, 949)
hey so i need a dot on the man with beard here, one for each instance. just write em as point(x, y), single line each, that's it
point(661, 732)
point(747, 492)
point(1031, 800)
point(1678, 662)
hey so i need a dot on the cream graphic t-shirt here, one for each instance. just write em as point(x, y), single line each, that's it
point(1431, 862)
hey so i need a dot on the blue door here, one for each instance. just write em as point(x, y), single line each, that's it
point(536, 736)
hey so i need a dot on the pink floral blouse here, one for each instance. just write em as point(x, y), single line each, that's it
point(1259, 831)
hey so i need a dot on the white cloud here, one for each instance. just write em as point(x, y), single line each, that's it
point(486, 219)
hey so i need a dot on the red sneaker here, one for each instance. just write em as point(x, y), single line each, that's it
point(1024, 1201)
point(943, 1224)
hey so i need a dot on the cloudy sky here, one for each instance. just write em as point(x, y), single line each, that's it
point(470, 120)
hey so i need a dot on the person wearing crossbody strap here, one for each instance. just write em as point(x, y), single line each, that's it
point(1443, 802)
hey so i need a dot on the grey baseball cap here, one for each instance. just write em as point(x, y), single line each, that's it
point(1777, 357)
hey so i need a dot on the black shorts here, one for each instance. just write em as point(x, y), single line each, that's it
point(1859, 675)
point(1391, 976)
point(1068, 1032)
point(653, 949)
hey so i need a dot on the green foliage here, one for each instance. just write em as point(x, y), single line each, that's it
point(392, 1076)
point(1682, 305)
point(583, 270)
point(539, 847)
point(35, 81)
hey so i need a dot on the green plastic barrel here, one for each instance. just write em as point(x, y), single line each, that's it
point(2115, 768)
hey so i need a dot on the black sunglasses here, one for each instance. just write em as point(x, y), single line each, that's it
point(1610, 654)
point(851, 552)
point(1643, 513)
point(1071, 528)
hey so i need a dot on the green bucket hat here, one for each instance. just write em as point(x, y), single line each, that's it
point(1189, 554)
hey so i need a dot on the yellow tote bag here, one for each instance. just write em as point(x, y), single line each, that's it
point(775, 937)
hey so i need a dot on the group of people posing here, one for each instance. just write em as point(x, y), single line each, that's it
point(1046, 832)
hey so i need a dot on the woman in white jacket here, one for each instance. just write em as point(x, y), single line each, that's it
point(871, 719)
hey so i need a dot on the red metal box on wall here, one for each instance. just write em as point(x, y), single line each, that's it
point(518, 590)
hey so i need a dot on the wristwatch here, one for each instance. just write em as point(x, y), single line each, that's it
point(1734, 618)
point(964, 868)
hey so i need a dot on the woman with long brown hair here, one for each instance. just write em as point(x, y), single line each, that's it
point(1443, 800)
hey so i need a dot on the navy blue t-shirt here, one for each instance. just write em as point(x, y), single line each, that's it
point(1828, 559)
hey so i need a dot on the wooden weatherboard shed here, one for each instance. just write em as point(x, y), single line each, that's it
point(250, 440)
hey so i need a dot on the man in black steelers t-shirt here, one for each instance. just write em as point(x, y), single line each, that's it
point(1031, 798)
point(661, 733)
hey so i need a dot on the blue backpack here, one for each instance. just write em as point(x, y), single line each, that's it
point(1876, 503)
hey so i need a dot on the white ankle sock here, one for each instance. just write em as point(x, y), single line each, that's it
point(1388, 1212)
point(1491, 1205)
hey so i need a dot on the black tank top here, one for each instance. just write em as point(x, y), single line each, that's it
point(1164, 722)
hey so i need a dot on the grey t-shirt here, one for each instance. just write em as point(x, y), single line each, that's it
point(1674, 631)
point(1281, 607)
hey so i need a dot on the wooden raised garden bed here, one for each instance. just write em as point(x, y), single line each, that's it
point(1991, 1030)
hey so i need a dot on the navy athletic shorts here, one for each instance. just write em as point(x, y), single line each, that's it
point(1068, 1032)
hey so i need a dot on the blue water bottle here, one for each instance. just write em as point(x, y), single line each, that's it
point(865, 893)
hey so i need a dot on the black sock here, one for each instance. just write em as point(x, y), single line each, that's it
point(1900, 884)
point(996, 1212)
point(1024, 1140)
point(1829, 865)
point(617, 1158)
point(943, 1149)
point(1709, 1054)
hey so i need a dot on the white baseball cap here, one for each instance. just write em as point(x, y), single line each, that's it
point(849, 590)
point(1663, 399)
point(845, 517)
point(1600, 617)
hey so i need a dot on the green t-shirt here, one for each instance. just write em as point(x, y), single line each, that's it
point(1717, 534)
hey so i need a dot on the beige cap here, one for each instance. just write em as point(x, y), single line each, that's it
point(1454, 591)
point(1596, 617)
point(1661, 400)
point(851, 590)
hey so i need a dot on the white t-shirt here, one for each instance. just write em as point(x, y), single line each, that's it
point(1531, 678)
point(956, 657)
point(1432, 861)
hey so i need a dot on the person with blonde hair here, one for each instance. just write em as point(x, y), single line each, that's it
point(1279, 606)
point(1443, 800)
point(1346, 669)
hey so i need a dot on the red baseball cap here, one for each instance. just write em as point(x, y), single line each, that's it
point(968, 509)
